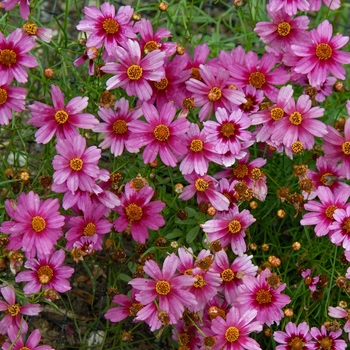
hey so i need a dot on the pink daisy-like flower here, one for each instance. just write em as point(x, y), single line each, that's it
point(36, 226)
point(14, 57)
point(322, 55)
point(340, 227)
point(322, 214)
point(325, 339)
point(107, 28)
point(310, 282)
point(137, 210)
point(186, 335)
point(24, 9)
point(168, 288)
point(295, 337)
point(339, 312)
point(75, 165)
point(325, 89)
point(228, 191)
point(256, 294)
point(133, 73)
point(14, 311)
point(116, 125)
point(47, 272)
point(229, 227)
point(31, 29)
point(254, 97)
point(212, 92)
point(91, 223)
point(205, 188)
point(315, 5)
point(90, 53)
point(60, 120)
point(290, 6)
point(11, 98)
point(17, 342)
point(233, 333)
point(337, 148)
point(160, 134)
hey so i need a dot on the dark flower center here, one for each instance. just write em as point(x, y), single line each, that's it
point(120, 127)
point(184, 338)
point(134, 212)
point(45, 274)
point(3, 96)
point(110, 25)
point(38, 223)
point(323, 51)
point(8, 57)
point(163, 287)
point(263, 296)
point(257, 79)
point(134, 72)
point(283, 29)
point(189, 103)
point(89, 229)
point(214, 94)
point(232, 334)
point(135, 308)
point(161, 85)
point(61, 116)
point(276, 113)
point(76, 164)
point(161, 132)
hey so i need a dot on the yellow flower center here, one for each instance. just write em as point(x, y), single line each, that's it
point(283, 29)
point(201, 185)
point(3, 96)
point(45, 274)
point(199, 282)
point(297, 147)
point(13, 310)
point(134, 72)
point(30, 28)
point(296, 344)
point(133, 212)
point(89, 229)
point(8, 57)
point(184, 339)
point(257, 174)
point(240, 171)
point(161, 132)
point(76, 164)
point(330, 211)
point(296, 118)
point(111, 26)
point(227, 129)
point(276, 113)
point(214, 94)
point(150, 46)
point(135, 308)
point(163, 287)
point(232, 334)
point(346, 147)
point(346, 225)
point(61, 116)
point(195, 74)
point(257, 79)
point(24, 348)
point(234, 226)
point(323, 51)
point(120, 127)
point(161, 85)
point(189, 103)
point(196, 145)
point(263, 297)
point(328, 179)
point(227, 275)
point(326, 343)
point(38, 223)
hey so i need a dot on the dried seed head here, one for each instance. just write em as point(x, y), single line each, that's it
point(9, 173)
point(164, 317)
point(51, 294)
point(283, 193)
point(138, 182)
point(141, 248)
point(323, 281)
point(340, 124)
point(215, 246)
point(106, 99)
point(4, 241)
point(267, 332)
point(338, 86)
point(45, 181)
point(273, 280)
point(203, 207)
point(343, 259)
point(209, 342)
point(182, 214)
point(316, 295)
point(341, 282)
point(139, 273)
point(332, 326)
point(161, 242)
point(206, 263)
point(126, 337)
point(112, 292)
point(119, 255)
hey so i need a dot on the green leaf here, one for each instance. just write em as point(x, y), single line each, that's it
point(192, 234)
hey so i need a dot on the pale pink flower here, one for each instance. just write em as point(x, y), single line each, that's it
point(322, 338)
point(31, 29)
point(339, 312)
point(290, 6)
point(340, 227)
point(294, 336)
point(315, 5)
point(24, 9)
point(310, 282)
point(12, 98)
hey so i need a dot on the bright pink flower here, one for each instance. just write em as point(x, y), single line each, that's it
point(60, 120)
point(255, 293)
point(340, 227)
point(24, 9)
point(137, 210)
point(76, 165)
point(11, 98)
point(229, 227)
point(228, 191)
point(322, 338)
point(322, 55)
point(290, 6)
point(134, 72)
point(339, 312)
point(31, 29)
point(14, 311)
point(254, 97)
point(160, 134)
point(182, 333)
point(294, 336)
point(47, 272)
point(315, 5)
point(14, 57)
point(116, 125)
point(233, 333)
point(322, 214)
point(310, 282)
point(90, 53)
point(17, 342)
point(36, 226)
point(107, 28)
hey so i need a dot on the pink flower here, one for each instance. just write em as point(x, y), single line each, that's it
point(340, 227)
point(322, 55)
point(134, 73)
point(294, 337)
point(14, 311)
point(24, 9)
point(160, 134)
point(31, 29)
point(17, 342)
point(338, 312)
point(116, 125)
point(11, 98)
point(254, 97)
point(315, 5)
point(47, 272)
point(106, 27)
point(256, 294)
point(76, 165)
point(323, 338)
point(233, 333)
point(310, 282)
point(14, 57)
point(36, 226)
point(290, 6)
point(60, 119)
point(90, 53)
point(229, 227)
point(137, 210)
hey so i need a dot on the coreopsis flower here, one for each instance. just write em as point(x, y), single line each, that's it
point(233, 333)
point(232, 274)
point(75, 165)
point(17, 342)
point(186, 335)
point(60, 120)
point(229, 227)
point(14, 57)
point(310, 282)
point(168, 288)
point(228, 191)
point(322, 214)
point(106, 27)
point(321, 55)
point(315, 5)
point(259, 74)
point(137, 210)
point(31, 29)
point(340, 227)
point(257, 294)
point(24, 9)
point(134, 73)
point(325, 339)
point(212, 92)
point(116, 125)
point(46, 272)
point(90, 53)
point(325, 89)
point(295, 337)
point(36, 224)
point(205, 188)
point(254, 97)
point(12, 98)
point(160, 134)
point(339, 312)
point(290, 6)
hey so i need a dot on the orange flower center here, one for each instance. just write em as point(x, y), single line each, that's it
point(3, 96)
point(234, 226)
point(276, 113)
point(201, 185)
point(76, 164)
point(330, 211)
point(296, 344)
point(38, 223)
point(61, 116)
point(199, 282)
point(111, 26)
point(263, 297)
point(120, 127)
point(240, 171)
point(8, 57)
point(196, 145)
point(134, 72)
point(163, 287)
point(195, 74)
point(161, 132)
point(257, 80)
point(323, 51)
point(30, 28)
point(227, 275)
point(214, 94)
point(133, 212)
point(13, 310)
point(297, 147)
point(283, 29)
point(346, 147)
point(257, 174)
point(346, 225)
point(326, 343)
point(135, 308)
point(89, 229)
point(150, 46)
point(232, 334)
point(161, 85)
point(227, 129)
point(45, 274)
point(296, 118)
